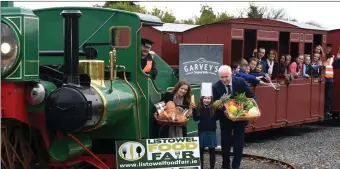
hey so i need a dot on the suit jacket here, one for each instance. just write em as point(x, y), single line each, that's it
point(239, 86)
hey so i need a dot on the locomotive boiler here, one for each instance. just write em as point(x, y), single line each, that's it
point(86, 102)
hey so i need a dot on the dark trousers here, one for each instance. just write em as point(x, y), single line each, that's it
point(237, 139)
point(328, 96)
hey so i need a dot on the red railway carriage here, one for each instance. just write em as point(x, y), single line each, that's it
point(241, 36)
point(167, 38)
point(334, 39)
point(336, 91)
point(302, 101)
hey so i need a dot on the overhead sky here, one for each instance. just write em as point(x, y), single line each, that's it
point(325, 13)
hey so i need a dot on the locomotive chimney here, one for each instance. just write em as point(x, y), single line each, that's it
point(71, 45)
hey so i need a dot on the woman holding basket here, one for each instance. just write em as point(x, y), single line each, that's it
point(181, 96)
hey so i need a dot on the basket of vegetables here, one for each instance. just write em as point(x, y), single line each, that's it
point(239, 109)
point(171, 115)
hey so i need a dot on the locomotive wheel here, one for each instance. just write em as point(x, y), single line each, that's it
point(21, 147)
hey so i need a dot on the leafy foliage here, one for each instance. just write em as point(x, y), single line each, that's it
point(165, 16)
point(207, 14)
point(124, 5)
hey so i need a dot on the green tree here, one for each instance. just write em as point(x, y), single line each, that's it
point(256, 11)
point(223, 16)
point(109, 3)
point(207, 15)
point(124, 5)
point(166, 16)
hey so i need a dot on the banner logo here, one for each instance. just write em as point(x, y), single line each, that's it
point(160, 153)
point(200, 62)
point(201, 67)
point(131, 151)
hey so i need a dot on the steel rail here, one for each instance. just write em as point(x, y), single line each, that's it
point(282, 164)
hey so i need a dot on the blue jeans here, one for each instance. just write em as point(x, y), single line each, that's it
point(227, 126)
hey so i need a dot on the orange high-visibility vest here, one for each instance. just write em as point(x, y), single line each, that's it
point(329, 68)
point(148, 66)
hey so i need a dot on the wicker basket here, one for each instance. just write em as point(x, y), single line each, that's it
point(243, 118)
point(179, 111)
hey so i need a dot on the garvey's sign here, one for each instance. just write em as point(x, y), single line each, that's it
point(200, 62)
point(201, 67)
point(174, 153)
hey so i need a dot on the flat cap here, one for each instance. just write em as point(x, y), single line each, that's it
point(146, 42)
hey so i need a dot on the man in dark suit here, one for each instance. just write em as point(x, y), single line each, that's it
point(231, 85)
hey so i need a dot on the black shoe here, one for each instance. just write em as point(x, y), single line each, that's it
point(330, 113)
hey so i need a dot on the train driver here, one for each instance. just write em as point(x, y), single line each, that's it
point(148, 63)
point(328, 63)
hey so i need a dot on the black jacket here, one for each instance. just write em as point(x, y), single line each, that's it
point(170, 97)
point(206, 121)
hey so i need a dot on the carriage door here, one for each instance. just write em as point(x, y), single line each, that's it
point(268, 40)
point(309, 44)
point(294, 44)
point(236, 44)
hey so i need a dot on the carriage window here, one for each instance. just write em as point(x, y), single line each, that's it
point(172, 38)
point(120, 36)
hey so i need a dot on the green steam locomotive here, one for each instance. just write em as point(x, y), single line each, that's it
point(72, 85)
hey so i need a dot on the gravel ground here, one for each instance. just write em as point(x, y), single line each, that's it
point(315, 146)
point(247, 163)
point(312, 146)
